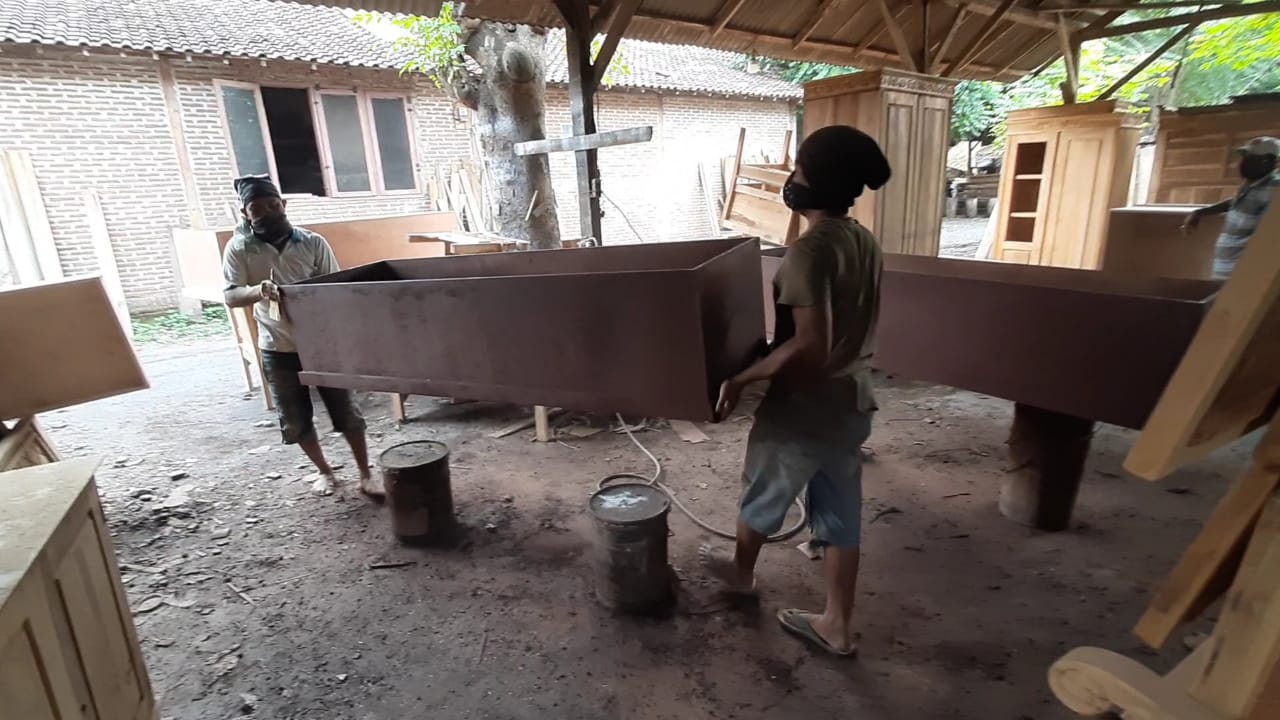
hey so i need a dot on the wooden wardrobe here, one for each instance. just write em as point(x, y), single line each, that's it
point(1064, 169)
point(910, 116)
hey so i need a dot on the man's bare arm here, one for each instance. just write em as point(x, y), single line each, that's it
point(805, 352)
point(246, 295)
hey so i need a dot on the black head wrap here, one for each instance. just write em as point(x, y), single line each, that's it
point(252, 187)
point(839, 162)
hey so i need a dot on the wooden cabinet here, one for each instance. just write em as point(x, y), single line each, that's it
point(1064, 169)
point(1196, 161)
point(910, 116)
point(67, 641)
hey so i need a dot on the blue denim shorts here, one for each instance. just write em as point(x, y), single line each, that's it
point(787, 454)
point(293, 400)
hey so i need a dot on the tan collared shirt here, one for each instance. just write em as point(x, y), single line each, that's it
point(249, 261)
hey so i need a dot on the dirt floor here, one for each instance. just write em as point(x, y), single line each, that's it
point(255, 598)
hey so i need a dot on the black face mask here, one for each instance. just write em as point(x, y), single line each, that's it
point(1256, 167)
point(800, 197)
point(271, 227)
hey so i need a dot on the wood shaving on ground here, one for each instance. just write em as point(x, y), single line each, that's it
point(689, 432)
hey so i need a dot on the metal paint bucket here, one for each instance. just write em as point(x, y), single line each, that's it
point(630, 561)
point(419, 494)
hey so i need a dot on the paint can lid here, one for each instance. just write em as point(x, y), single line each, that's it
point(629, 503)
point(414, 453)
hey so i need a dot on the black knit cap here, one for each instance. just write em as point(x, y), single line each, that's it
point(252, 187)
point(839, 162)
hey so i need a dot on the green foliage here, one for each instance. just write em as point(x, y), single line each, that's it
point(173, 327)
point(618, 67)
point(434, 44)
point(978, 108)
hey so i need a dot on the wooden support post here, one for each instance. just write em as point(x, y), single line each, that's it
point(1048, 452)
point(922, 58)
point(541, 423)
point(617, 25)
point(1070, 47)
point(397, 407)
point(941, 53)
point(582, 93)
point(786, 147)
point(1155, 54)
point(723, 16)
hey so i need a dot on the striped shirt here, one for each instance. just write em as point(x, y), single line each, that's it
point(248, 261)
point(1246, 210)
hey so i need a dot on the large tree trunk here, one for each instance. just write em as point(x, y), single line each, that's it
point(508, 98)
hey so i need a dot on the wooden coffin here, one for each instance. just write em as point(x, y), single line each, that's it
point(68, 646)
point(1078, 342)
point(640, 329)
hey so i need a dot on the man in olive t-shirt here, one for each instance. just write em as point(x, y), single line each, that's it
point(809, 429)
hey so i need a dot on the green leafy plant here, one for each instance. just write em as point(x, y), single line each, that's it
point(433, 45)
point(618, 67)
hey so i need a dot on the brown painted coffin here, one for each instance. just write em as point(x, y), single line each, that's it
point(1080, 342)
point(640, 329)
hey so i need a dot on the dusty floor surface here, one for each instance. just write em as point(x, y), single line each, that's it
point(258, 599)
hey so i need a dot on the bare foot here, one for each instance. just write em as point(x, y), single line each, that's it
point(371, 485)
point(721, 566)
point(324, 484)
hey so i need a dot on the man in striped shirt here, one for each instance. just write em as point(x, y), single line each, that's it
point(1261, 178)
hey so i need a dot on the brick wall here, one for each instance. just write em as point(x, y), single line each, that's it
point(657, 185)
point(100, 123)
point(440, 137)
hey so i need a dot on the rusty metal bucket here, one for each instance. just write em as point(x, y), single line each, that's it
point(419, 493)
point(630, 560)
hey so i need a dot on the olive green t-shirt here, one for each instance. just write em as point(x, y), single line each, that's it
point(836, 261)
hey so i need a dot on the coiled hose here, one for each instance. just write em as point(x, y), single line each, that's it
point(656, 481)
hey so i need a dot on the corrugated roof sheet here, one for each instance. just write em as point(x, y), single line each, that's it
point(271, 29)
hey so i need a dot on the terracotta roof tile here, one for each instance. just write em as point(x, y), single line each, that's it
point(275, 30)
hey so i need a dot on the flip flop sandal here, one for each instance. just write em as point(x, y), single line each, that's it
point(795, 622)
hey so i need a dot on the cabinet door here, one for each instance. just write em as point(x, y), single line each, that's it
point(1080, 189)
point(93, 619)
point(898, 132)
point(1024, 197)
point(928, 168)
point(34, 684)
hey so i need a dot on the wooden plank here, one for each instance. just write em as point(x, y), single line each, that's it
point(617, 26)
point(541, 424)
point(764, 175)
point(37, 219)
point(1245, 645)
point(732, 184)
point(105, 253)
point(1071, 58)
point(63, 346)
point(582, 93)
point(24, 445)
point(1227, 383)
point(1022, 16)
point(906, 55)
point(577, 143)
point(757, 192)
point(1221, 13)
point(1203, 572)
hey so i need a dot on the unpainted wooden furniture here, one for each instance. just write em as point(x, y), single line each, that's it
point(910, 116)
point(753, 196)
point(1227, 385)
point(67, 640)
point(1064, 169)
point(61, 344)
point(23, 444)
point(1196, 161)
point(1148, 240)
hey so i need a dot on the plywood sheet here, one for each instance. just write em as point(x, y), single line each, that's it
point(1228, 381)
point(62, 346)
